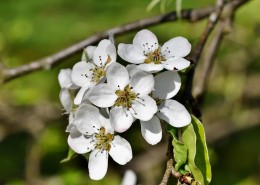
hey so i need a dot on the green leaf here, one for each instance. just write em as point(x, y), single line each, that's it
point(202, 156)
point(189, 140)
point(152, 4)
point(193, 137)
point(71, 155)
point(179, 150)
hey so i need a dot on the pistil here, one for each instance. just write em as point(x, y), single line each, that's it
point(156, 57)
point(125, 97)
point(103, 140)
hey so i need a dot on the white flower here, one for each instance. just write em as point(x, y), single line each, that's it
point(64, 78)
point(152, 57)
point(91, 132)
point(67, 93)
point(92, 69)
point(167, 85)
point(126, 91)
point(66, 97)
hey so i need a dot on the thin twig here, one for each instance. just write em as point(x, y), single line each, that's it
point(168, 172)
point(195, 57)
point(208, 60)
point(212, 21)
point(192, 15)
point(50, 61)
point(224, 27)
point(187, 96)
point(169, 166)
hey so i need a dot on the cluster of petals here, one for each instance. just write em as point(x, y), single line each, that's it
point(126, 92)
point(91, 132)
point(102, 96)
point(92, 68)
point(151, 57)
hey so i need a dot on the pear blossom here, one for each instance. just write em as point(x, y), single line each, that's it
point(127, 92)
point(92, 132)
point(167, 84)
point(66, 95)
point(91, 70)
point(64, 78)
point(151, 57)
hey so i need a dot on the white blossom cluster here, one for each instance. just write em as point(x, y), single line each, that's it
point(103, 97)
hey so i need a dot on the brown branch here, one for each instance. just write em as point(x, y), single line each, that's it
point(169, 166)
point(224, 27)
point(192, 15)
point(187, 96)
point(168, 172)
point(229, 10)
point(195, 57)
point(213, 19)
point(208, 60)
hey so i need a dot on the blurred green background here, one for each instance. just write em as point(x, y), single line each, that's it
point(32, 136)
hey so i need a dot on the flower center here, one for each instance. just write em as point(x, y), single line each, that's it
point(97, 73)
point(156, 57)
point(158, 101)
point(103, 140)
point(125, 97)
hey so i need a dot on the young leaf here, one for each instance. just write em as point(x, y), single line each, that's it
point(152, 4)
point(179, 150)
point(189, 140)
point(202, 157)
point(71, 155)
point(193, 137)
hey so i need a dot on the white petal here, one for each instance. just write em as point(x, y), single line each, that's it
point(129, 178)
point(79, 144)
point(176, 64)
point(111, 52)
point(71, 128)
point(71, 117)
point(86, 119)
point(146, 40)
point(178, 47)
point(132, 70)
point(64, 78)
point(121, 150)
point(102, 95)
point(106, 124)
point(167, 84)
point(151, 68)
point(131, 53)
point(144, 109)
point(65, 99)
point(97, 164)
point(121, 119)
point(85, 96)
point(117, 76)
point(89, 51)
point(152, 130)
point(80, 95)
point(81, 74)
point(174, 113)
point(100, 54)
point(142, 82)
